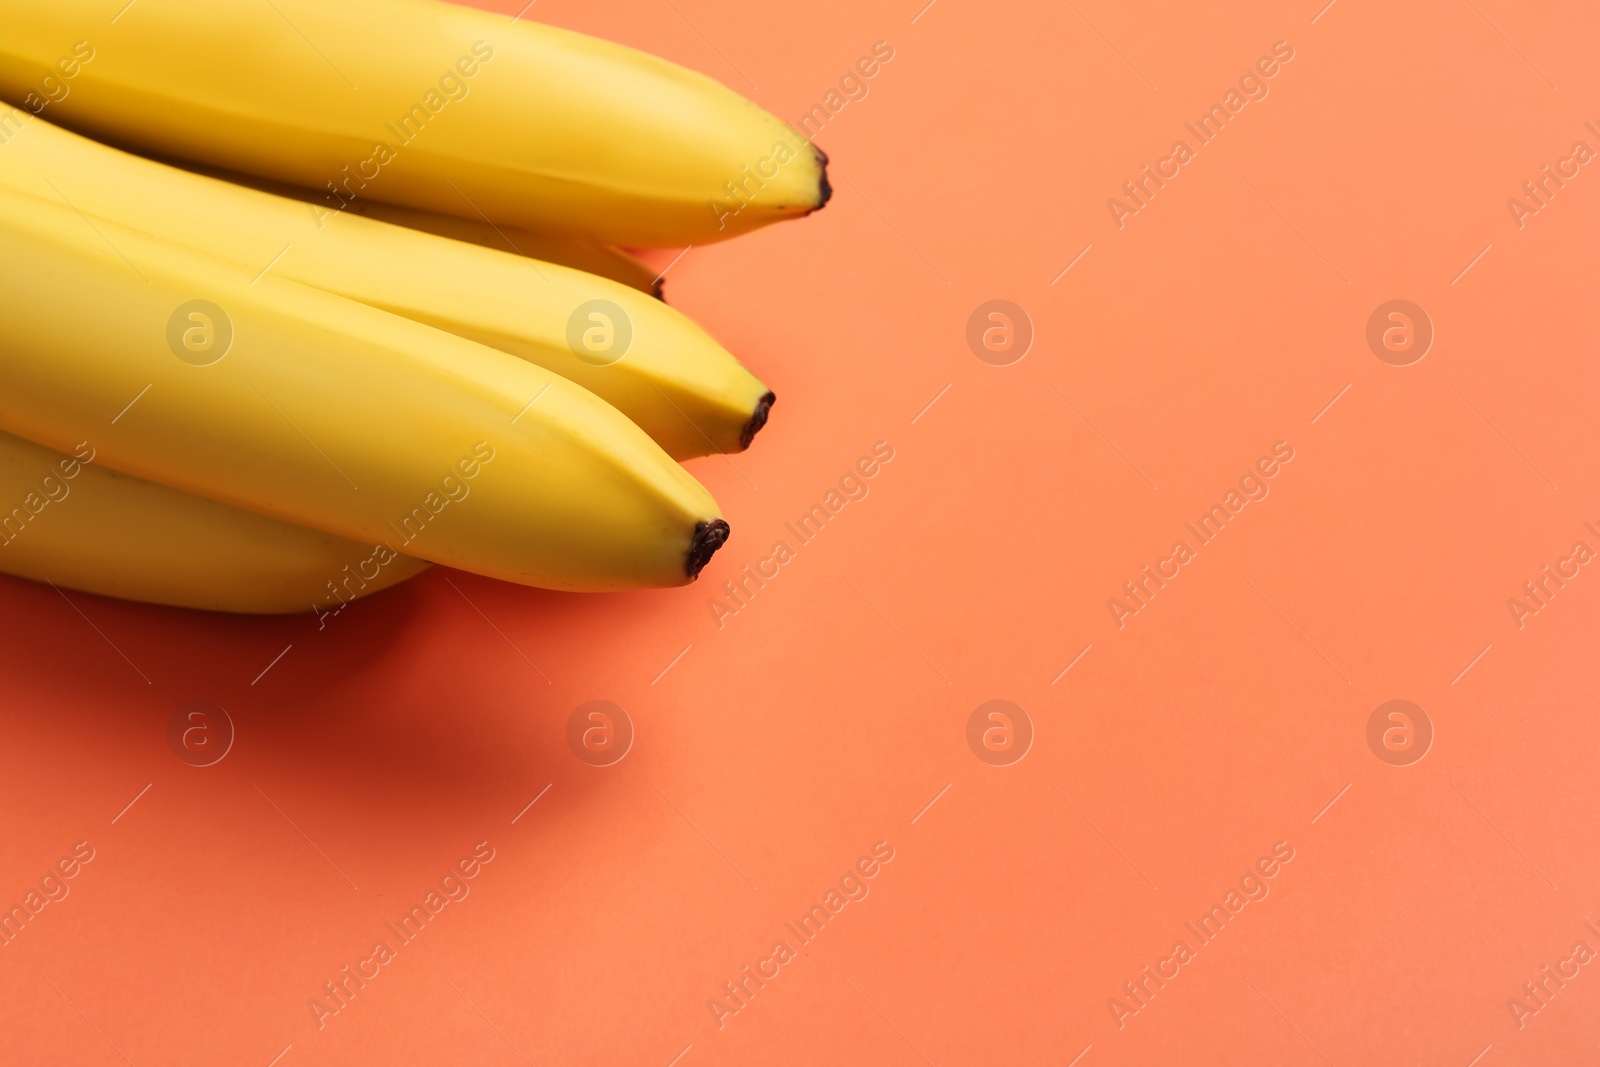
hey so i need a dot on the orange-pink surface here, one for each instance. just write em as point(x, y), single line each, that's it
point(1197, 832)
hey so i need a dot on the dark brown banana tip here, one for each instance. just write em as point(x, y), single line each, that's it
point(708, 537)
point(758, 420)
point(658, 289)
point(824, 188)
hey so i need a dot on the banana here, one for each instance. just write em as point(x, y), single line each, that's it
point(72, 521)
point(654, 365)
point(422, 104)
point(579, 253)
point(308, 407)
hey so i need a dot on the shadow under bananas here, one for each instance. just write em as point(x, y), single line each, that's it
point(406, 709)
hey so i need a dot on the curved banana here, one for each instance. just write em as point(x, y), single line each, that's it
point(579, 253)
point(656, 366)
point(72, 521)
point(423, 104)
point(309, 407)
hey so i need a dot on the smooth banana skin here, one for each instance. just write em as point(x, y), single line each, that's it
point(74, 522)
point(318, 410)
point(423, 104)
point(685, 390)
point(579, 253)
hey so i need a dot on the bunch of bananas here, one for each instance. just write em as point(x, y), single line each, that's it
point(358, 303)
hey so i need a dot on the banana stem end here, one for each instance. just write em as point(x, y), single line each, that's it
point(824, 187)
point(708, 537)
point(757, 420)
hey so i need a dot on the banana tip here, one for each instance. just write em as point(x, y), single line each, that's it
point(708, 537)
point(824, 187)
point(757, 420)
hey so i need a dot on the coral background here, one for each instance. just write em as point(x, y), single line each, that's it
point(831, 712)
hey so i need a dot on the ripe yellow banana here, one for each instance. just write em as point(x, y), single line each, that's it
point(277, 397)
point(579, 253)
point(72, 521)
point(418, 103)
point(646, 359)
